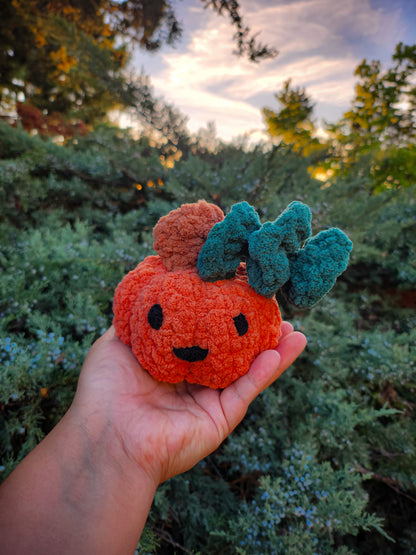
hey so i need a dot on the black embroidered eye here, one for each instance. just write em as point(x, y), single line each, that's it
point(155, 316)
point(241, 324)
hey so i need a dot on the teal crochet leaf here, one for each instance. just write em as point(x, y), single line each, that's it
point(227, 243)
point(315, 268)
point(268, 265)
point(279, 254)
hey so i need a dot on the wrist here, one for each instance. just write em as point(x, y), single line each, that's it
point(107, 491)
point(103, 451)
point(75, 493)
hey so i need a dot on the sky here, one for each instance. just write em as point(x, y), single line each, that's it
point(320, 43)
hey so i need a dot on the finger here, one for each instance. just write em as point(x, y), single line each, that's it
point(108, 348)
point(266, 368)
point(236, 397)
point(285, 328)
point(290, 347)
point(108, 335)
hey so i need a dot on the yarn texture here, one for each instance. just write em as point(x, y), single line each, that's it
point(221, 255)
point(268, 265)
point(179, 236)
point(203, 308)
point(313, 271)
point(198, 339)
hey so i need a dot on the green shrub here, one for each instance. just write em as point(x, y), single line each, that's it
point(325, 459)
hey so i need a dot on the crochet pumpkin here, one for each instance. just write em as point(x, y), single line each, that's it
point(204, 307)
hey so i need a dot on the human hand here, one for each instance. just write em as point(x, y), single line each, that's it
point(88, 486)
point(167, 428)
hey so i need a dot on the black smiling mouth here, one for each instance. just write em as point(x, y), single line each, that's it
point(190, 354)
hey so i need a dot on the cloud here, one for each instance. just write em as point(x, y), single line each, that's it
point(320, 44)
point(232, 116)
point(302, 24)
point(304, 72)
point(196, 81)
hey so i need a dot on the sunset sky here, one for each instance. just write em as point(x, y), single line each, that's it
point(320, 43)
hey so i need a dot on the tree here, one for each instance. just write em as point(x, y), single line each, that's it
point(246, 45)
point(70, 56)
point(61, 57)
point(292, 124)
point(381, 123)
point(383, 109)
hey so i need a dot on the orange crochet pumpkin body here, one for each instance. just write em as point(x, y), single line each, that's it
point(183, 328)
point(204, 307)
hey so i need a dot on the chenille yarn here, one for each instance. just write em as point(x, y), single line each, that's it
point(203, 308)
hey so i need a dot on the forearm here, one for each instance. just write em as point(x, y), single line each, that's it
point(74, 495)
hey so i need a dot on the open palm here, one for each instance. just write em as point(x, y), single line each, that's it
point(168, 428)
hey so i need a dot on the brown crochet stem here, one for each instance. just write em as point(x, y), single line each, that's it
point(180, 235)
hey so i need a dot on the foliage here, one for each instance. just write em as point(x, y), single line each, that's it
point(380, 126)
point(62, 57)
point(246, 45)
point(70, 57)
point(32, 119)
point(325, 459)
point(103, 172)
point(383, 109)
point(293, 125)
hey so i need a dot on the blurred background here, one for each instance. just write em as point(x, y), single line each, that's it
point(112, 113)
